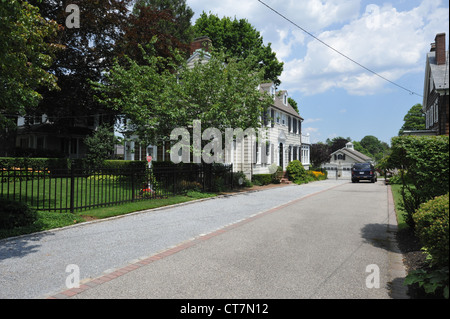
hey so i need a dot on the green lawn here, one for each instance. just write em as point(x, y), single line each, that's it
point(53, 194)
point(396, 192)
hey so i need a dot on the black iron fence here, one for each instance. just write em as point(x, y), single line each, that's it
point(75, 189)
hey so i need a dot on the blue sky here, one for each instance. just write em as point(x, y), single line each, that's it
point(336, 97)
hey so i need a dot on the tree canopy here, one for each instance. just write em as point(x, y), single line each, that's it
point(168, 20)
point(181, 28)
point(413, 120)
point(239, 39)
point(25, 58)
point(337, 143)
point(220, 95)
point(294, 104)
point(320, 153)
point(88, 52)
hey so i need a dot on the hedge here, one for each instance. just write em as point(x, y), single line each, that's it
point(432, 229)
point(54, 163)
point(262, 179)
point(14, 214)
point(36, 163)
point(423, 163)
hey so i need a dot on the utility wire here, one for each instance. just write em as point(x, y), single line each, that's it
point(345, 56)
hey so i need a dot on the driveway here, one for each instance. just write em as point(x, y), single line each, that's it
point(310, 241)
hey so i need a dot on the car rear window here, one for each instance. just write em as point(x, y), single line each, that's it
point(362, 166)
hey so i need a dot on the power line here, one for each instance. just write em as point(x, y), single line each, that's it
point(342, 54)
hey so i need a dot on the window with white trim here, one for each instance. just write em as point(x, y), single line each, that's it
point(431, 115)
point(436, 111)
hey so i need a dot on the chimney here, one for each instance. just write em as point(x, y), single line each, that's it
point(204, 43)
point(439, 41)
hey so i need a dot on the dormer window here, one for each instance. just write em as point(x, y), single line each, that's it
point(285, 99)
point(272, 91)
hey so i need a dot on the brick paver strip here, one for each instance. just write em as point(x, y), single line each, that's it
point(173, 250)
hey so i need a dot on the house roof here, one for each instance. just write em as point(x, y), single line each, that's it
point(199, 54)
point(358, 156)
point(278, 103)
point(278, 100)
point(439, 73)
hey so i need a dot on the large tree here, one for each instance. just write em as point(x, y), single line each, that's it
point(413, 120)
point(238, 38)
point(337, 143)
point(181, 28)
point(25, 56)
point(168, 20)
point(89, 51)
point(320, 153)
point(220, 95)
point(373, 145)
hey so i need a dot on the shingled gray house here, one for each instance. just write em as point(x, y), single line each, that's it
point(435, 93)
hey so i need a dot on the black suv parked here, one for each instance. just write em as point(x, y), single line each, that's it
point(363, 171)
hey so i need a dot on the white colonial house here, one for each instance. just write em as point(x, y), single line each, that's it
point(281, 142)
point(342, 160)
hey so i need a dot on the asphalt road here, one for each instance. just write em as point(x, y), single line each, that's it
point(319, 240)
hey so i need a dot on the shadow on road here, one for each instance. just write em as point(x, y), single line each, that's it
point(21, 246)
point(377, 235)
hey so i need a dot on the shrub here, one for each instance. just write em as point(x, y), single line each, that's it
point(189, 185)
point(423, 163)
point(99, 145)
point(431, 220)
point(240, 180)
point(14, 214)
point(296, 171)
point(262, 179)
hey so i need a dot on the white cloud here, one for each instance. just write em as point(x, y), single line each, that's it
point(313, 15)
point(383, 39)
point(310, 120)
point(310, 130)
point(387, 40)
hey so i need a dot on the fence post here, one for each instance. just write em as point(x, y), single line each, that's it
point(174, 181)
point(132, 185)
point(72, 187)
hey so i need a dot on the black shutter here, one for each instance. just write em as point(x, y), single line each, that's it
point(272, 117)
